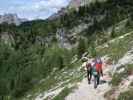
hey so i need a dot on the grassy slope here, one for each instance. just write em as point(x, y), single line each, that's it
point(115, 50)
point(55, 80)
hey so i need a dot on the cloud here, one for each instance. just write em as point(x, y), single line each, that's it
point(33, 8)
point(46, 5)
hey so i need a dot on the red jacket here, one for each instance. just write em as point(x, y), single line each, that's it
point(98, 67)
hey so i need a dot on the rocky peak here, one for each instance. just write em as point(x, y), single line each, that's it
point(75, 3)
point(11, 19)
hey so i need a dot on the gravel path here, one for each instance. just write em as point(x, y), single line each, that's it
point(86, 91)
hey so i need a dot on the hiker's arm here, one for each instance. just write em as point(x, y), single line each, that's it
point(101, 68)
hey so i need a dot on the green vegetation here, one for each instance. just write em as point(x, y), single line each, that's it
point(63, 94)
point(93, 51)
point(116, 79)
point(109, 93)
point(116, 49)
point(128, 95)
point(81, 47)
point(131, 84)
point(129, 69)
point(22, 69)
point(112, 12)
point(34, 53)
point(58, 78)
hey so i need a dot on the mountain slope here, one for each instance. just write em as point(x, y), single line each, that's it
point(72, 83)
point(44, 68)
point(100, 20)
point(89, 93)
point(11, 19)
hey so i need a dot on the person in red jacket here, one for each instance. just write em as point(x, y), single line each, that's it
point(98, 65)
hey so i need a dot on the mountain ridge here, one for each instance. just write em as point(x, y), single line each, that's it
point(11, 18)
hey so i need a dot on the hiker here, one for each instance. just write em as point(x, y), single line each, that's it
point(95, 73)
point(89, 71)
point(99, 66)
point(97, 69)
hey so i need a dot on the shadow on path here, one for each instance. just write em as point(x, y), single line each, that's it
point(103, 81)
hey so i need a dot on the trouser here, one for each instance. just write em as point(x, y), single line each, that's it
point(101, 72)
point(98, 78)
point(89, 74)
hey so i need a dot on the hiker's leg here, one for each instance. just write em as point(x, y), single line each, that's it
point(89, 78)
point(88, 75)
point(98, 78)
point(102, 72)
point(95, 81)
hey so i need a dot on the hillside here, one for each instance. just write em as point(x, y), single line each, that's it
point(11, 19)
point(99, 19)
point(42, 59)
point(71, 84)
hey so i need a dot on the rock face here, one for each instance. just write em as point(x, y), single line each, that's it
point(7, 38)
point(73, 4)
point(61, 12)
point(77, 3)
point(63, 39)
point(11, 19)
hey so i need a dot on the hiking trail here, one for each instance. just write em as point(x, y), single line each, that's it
point(86, 91)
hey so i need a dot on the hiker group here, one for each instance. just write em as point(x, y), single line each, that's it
point(94, 68)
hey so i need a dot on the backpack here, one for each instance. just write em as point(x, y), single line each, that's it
point(88, 66)
point(94, 71)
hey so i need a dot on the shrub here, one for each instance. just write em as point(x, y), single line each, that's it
point(21, 69)
point(63, 94)
point(109, 94)
point(116, 79)
point(81, 47)
point(113, 34)
point(128, 95)
point(131, 83)
point(129, 69)
point(93, 51)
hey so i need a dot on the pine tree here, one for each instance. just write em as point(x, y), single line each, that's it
point(113, 32)
point(81, 47)
point(93, 51)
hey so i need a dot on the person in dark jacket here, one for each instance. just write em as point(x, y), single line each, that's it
point(89, 72)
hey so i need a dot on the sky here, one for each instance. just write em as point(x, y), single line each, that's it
point(32, 9)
